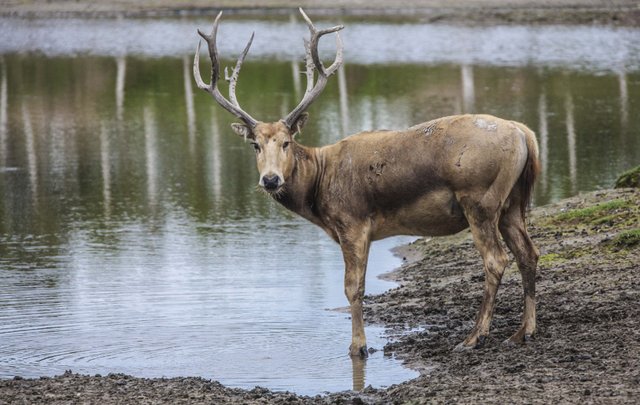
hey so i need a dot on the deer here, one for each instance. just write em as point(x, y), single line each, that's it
point(432, 179)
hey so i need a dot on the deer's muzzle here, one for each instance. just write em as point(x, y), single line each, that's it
point(271, 182)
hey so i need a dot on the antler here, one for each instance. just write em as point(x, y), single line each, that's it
point(232, 106)
point(313, 62)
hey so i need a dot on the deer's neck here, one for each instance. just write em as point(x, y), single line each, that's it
point(301, 190)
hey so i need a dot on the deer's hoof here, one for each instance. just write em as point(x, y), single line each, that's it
point(519, 339)
point(358, 351)
point(461, 347)
point(477, 344)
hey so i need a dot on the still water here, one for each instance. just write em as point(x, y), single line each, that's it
point(132, 237)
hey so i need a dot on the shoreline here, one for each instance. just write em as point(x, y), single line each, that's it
point(585, 350)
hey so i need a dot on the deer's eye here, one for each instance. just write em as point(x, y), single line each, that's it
point(285, 145)
point(256, 147)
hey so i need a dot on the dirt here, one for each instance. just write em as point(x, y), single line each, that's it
point(587, 347)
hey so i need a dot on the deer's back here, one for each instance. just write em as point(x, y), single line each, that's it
point(408, 180)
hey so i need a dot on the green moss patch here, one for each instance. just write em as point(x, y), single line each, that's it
point(626, 240)
point(604, 213)
point(630, 178)
point(549, 260)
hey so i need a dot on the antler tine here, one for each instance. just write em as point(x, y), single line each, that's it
point(313, 42)
point(233, 80)
point(232, 106)
point(196, 70)
point(338, 61)
point(310, 67)
point(213, 55)
point(313, 62)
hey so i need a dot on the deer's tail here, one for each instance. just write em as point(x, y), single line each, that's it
point(531, 169)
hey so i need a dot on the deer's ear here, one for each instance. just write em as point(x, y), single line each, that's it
point(300, 123)
point(242, 130)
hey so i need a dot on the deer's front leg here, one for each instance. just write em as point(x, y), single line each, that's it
point(355, 250)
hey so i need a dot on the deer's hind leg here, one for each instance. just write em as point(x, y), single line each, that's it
point(483, 221)
point(513, 230)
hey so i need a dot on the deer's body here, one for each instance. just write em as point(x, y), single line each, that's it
point(436, 178)
point(407, 182)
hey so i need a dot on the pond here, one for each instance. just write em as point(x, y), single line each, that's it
point(132, 236)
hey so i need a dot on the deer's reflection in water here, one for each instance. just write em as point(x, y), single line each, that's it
point(359, 372)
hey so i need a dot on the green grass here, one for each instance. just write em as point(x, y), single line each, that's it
point(626, 239)
point(597, 214)
point(549, 259)
point(630, 178)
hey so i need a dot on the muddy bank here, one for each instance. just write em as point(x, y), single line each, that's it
point(616, 12)
point(587, 348)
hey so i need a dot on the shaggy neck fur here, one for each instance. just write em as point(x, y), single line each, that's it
point(300, 190)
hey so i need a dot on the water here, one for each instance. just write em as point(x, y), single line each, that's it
point(185, 301)
point(131, 235)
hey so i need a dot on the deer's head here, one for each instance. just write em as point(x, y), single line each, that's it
point(273, 142)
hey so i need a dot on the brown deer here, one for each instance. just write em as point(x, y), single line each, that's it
point(435, 178)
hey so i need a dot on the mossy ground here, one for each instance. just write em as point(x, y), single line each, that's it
point(610, 227)
point(630, 178)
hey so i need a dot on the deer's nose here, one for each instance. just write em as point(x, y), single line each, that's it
point(271, 182)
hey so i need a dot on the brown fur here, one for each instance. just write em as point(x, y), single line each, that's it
point(530, 172)
point(436, 178)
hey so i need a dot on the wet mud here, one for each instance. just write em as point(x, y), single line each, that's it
point(587, 347)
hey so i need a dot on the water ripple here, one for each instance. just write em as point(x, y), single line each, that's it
point(141, 308)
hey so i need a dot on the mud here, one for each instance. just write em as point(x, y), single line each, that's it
point(587, 347)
